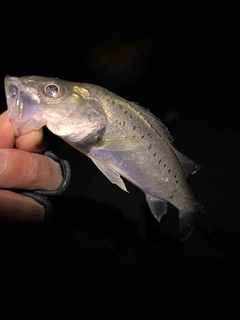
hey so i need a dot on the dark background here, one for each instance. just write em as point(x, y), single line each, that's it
point(105, 254)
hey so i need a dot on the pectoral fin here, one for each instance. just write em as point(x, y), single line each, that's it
point(112, 175)
point(157, 206)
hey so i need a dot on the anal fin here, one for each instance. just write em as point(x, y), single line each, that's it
point(157, 206)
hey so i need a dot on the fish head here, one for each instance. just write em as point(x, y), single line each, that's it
point(23, 105)
point(66, 108)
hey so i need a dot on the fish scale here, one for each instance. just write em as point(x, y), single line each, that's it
point(122, 138)
point(162, 188)
point(133, 123)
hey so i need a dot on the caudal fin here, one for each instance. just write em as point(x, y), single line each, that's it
point(186, 220)
point(158, 208)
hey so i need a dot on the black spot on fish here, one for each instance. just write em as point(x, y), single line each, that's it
point(176, 181)
point(155, 154)
point(125, 112)
point(134, 127)
point(149, 135)
point(142, 136)
point(164, 165)
point(150, 147)
point(130, 116)
point(160, 161)
point(169, 170)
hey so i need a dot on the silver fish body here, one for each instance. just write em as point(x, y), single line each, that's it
point(122, 138)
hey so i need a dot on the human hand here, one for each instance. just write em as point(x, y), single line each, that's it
point(24, 168)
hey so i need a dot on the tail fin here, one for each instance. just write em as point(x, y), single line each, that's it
point(186, 220)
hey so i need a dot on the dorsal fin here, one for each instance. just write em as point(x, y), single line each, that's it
point(189, 166)
point(154, 121)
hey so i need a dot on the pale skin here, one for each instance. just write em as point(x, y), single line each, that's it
point(24, 168)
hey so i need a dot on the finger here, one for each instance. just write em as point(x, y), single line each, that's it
point(6, 131)
point(30, 171)
point(19, 209)
point(33, 141)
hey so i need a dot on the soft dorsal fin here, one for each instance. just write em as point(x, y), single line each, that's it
point(154, 121)
point(189, 166)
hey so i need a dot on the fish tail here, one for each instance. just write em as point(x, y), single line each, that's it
point(185, 224)
point(187, 215)
point(186, 220)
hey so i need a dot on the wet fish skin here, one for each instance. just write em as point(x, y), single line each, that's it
point(120, 137)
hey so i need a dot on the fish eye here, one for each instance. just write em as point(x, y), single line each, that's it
point(13, 90)
point(52, 90)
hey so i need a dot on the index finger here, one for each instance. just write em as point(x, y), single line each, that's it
point(7, 138)
point(32, 141)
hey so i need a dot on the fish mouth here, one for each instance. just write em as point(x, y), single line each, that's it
point(23, 110)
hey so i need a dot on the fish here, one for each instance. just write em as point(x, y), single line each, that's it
point(123, 139)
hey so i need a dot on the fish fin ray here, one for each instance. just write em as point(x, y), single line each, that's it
point(154, 121)
point(157, 206)
point(189, 166)
point(112, 175)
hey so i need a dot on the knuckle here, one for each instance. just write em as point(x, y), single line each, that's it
point(31, 171)
point(46, 172)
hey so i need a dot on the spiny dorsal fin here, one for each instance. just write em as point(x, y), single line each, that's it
point(154, 121)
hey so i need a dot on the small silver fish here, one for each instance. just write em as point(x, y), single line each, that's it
point(122, 138)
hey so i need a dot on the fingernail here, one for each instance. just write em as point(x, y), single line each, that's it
point(3, 161)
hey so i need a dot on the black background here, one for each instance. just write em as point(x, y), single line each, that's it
point(105, 254)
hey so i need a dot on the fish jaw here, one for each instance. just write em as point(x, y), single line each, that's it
point(23, 110)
